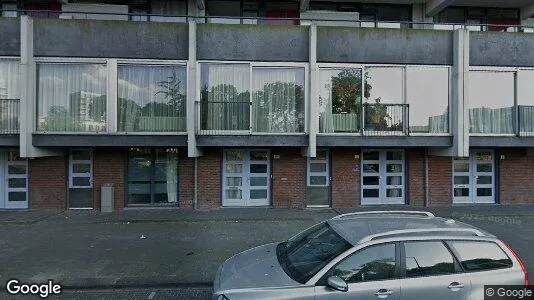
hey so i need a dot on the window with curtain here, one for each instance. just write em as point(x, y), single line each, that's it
point(225, 97)
point(525, 100)
point(491, 102)
point(428, 97)
point(71, 97)
point(151, 98)
point(152, 176)
point(278, 100)
point(340, 97)
point(9, 96)
point(167, 10)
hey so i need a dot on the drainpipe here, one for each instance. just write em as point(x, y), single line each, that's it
point(195, 193)
point(426, 177)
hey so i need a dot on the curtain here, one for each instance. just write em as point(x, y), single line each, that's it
point(439, 124)
point(71, 97)
point(225, 97)
point(151, 98)
point(172, 177)
point(326, 122)
point(278, 100)
point(9, 96)
point(491, 120)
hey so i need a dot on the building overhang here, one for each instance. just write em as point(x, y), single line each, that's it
point(7, 140)
point(384, 141)
point(253, 141)
point(108, 140)
point(501, 141)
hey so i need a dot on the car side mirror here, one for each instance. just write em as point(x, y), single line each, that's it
point(337, 283)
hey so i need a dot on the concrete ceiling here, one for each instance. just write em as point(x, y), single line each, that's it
point(480, 3)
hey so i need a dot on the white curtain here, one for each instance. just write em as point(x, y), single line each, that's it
point(226, 97)
point(151, 98)
point(326, 122)
point(172, 177)
point(71, 97)
point(9, 96)
point(278, 100)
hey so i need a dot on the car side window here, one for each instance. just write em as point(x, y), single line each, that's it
point(427, 258)
point(369, 264)
point(480, 256)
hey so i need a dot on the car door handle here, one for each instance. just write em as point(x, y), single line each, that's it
point(383, 293)
point(455, 285)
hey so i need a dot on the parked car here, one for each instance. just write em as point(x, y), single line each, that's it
point(374, 255)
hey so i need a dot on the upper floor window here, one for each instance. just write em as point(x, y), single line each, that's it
point(71, 97)
point(9, 79)
point(151, 98)
point(499, 19)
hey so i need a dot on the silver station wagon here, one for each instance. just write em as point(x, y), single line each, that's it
point(374, 255)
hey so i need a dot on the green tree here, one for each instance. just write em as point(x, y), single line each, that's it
point(59, 119)
point(172, 88)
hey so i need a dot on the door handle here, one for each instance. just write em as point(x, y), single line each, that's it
point(455, 286)
point(383, 293)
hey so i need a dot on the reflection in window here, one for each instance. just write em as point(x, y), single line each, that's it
point(71, 97)
point(428, 97)
point(370, 264)
point(480, 256)
point(525, 100)
point(9, 96)
point(166, 9)
point(427, 259)
point(340, 96)
point(225, 97)
point(152, 98)
point(491, 102)
point(278, 100)
point(152, 176)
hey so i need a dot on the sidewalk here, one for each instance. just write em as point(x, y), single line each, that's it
point(172, 247)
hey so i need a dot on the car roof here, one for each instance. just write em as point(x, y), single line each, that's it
point(362, 227)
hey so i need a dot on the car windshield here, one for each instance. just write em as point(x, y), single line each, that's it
point(305, 254)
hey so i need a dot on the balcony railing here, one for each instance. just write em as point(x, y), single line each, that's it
point(385, 119)
point(257, 20)
point(525, 120)
point(9, 116)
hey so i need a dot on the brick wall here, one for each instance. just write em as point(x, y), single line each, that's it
point(109, 167)
point(289, 178)
point(416, 176)
point(440, 180)
point(345, 177)
point(186, 174)
point(516, 176)
point(47, 183)
point(209, 179)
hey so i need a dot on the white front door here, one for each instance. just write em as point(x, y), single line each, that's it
point(246, 178)
point(13, 180)
point(474, 178)
point(382, 177)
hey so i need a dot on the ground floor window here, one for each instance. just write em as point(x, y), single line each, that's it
point(474, 178)
point(152, 176)
point(383, 177)
point(13, 180)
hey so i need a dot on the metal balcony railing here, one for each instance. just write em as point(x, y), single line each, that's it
point(525, 120)
point(9, 116)
point(223, 117)
point(57, 14)
point(385, 119)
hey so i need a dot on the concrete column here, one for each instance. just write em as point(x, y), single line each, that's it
point(111, 104)
point(459, 106)
point(312, 115)
point(192, 93)
point(28, 101)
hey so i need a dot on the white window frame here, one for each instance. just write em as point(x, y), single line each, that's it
point(326, 173)
point(73, 175)
point(252, 65)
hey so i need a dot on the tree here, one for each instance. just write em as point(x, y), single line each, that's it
point(172, 90)
point(59, 119)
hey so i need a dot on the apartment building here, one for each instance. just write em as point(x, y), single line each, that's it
point(206, 104)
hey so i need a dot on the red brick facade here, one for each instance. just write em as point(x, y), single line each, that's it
point(516, 176)
point(47, 183)
point(345, 177)
point(209, 179)
point(108, 167)
point(289, 178)
point(186, 179)
point(439, 181)
point(416, 176)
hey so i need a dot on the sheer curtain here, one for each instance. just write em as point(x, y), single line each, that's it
point(71, 97)
point(151, 98)
point(278, 100)
point(172, 176)
point(9, 91)
point(225, 97)
point(326, 121)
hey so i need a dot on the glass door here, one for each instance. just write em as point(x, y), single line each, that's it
point(81, 179)
point(246, 178)
point(474, 178)
point(14, 179)
point(318, 180)
point(461, 168)
point(383, 177)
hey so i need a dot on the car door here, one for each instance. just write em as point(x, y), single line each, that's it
point(430, 270)
point(370, 273)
